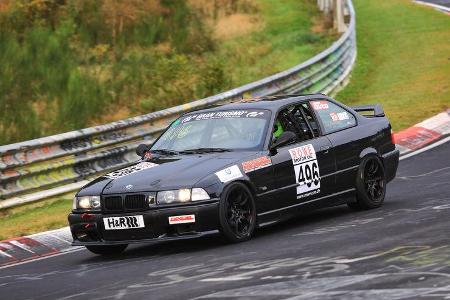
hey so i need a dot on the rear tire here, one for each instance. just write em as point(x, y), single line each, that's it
point(237, 213)
point(370, 184)
point(107, 250)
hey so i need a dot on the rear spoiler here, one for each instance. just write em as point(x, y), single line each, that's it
point(374, 110)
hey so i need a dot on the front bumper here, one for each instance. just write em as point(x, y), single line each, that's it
point(88, 228)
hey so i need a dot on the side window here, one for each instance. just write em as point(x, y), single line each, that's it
point(293, 119)
point(283, 123)
point(301, 119)
point(333, 117)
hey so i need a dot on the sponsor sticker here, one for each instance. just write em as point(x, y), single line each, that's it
point(306, 168)
point(225, 114)
point(184, 219)
point(130, 170)
point(343, 116)
point(256, 164)
point(302, 154)
point(229, 173)
point(125, 222)
point(339, 116)
point(334, 117)
point(319, 105)
point(254, 114)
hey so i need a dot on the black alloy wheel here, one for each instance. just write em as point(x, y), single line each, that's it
point(374, 181)
point(237, 213)
point(370, 184)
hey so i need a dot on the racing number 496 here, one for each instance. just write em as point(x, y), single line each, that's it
point(308, 173)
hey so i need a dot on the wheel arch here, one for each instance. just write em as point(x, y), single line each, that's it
point(368, 151)
point(248, 184)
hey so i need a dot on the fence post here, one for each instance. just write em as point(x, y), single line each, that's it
point(338, 18)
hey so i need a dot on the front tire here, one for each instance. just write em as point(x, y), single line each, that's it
point(107, 250)
point(370, 184)
point(237, 213)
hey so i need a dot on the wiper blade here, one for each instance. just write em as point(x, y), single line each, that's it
point(165, 151)
point(205, 150)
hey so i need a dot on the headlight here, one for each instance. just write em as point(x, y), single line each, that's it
point(181, 196)
point(86, 202)
point(199, 194)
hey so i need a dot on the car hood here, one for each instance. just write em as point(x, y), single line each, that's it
point(163, 173)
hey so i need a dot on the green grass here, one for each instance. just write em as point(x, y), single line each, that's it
point(35, 217)
point(285, 41)
point(403, 60)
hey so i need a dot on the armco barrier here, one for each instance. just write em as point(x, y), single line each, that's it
point(52, 163)
point(410, 141)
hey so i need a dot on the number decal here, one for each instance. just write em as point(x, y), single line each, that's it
point(307, 176)
point(306, 169)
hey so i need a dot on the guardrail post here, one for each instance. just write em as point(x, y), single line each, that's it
point(325, 5)
point(338, 16)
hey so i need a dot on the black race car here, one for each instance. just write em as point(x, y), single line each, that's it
point(236, 167)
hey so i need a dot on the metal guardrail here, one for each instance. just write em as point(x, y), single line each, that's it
point(61, 163)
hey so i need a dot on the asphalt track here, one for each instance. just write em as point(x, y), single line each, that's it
point(400, 251)
point(445, 3)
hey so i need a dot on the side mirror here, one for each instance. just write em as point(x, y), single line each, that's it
point(141, 149)
point(284, 139)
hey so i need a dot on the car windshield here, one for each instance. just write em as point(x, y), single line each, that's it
point(215, 131)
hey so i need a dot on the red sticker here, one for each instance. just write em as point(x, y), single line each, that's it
point(319, 105)
point(181, 219)
point(334, 117)
point(256, 164)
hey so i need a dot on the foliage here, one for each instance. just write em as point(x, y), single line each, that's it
point(68, 64)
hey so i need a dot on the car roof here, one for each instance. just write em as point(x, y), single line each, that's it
point(272, 103)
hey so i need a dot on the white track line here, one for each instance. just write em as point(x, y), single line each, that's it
point(436, 6)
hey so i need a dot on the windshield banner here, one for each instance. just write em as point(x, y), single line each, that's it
point(260, 114)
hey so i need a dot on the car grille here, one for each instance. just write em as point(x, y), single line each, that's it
point(134, 201)
point(124, 202)
point(113, 203)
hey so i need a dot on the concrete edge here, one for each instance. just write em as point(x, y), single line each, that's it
point(438, 7)
point(36, 246)
point(423, 134)
point(416, 139)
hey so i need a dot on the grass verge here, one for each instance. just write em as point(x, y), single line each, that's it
point(403, 60)
point(35, 217)
point(293, 32)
